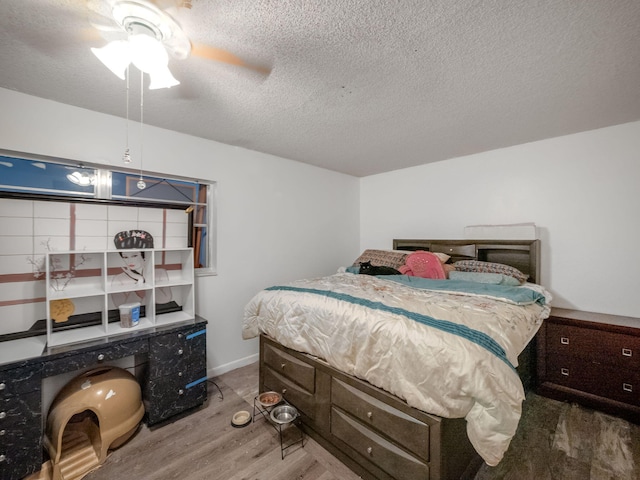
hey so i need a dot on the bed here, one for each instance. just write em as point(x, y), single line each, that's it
point(404, 377)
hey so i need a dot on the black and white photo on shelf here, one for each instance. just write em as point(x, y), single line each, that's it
point(136, 270)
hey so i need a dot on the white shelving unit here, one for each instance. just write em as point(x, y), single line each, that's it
point(95, 282)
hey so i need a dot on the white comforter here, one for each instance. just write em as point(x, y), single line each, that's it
point(421, 361)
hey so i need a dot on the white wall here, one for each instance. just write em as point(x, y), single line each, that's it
point(582, 191)
point(277, 220)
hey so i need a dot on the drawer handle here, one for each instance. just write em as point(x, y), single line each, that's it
point(564, 371)
point(627, 387)
point(2, 458)
point(3, 415)
point(627, 352)
point(370, 451)
point(564, 340)
point(180, 336)
point(179, 374)
point(2, 432)
point(180, 351)
point(369, 415)
point(101, 357)
point(282, 365)
point(181, 392)
point(284, 391)
point(2, 386)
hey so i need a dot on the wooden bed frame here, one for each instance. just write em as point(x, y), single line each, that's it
point(373, 432)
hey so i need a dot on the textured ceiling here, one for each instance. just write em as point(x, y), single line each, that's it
point(356, 86)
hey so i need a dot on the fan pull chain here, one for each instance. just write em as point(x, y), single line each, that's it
point(141, 183)
point(126, 158)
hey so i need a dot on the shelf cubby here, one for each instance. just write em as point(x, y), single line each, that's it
point(89, 286)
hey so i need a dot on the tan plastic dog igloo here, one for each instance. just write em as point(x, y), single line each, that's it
point(97, 411)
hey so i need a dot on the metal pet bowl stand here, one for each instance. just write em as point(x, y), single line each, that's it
point(288, 416)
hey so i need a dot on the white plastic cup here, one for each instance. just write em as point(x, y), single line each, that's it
point(129, 314)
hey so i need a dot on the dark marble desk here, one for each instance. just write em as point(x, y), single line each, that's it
point(170, 363)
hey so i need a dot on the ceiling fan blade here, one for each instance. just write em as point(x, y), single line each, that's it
point(98, 15)
point(219, 55)
point(169, 4)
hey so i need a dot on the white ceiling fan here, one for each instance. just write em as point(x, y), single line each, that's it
point(144, 33)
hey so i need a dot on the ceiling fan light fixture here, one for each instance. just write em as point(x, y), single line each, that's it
point(152, 36)
point(133, 15)
point(115, 56)
point(162, 78)
point(147, 53)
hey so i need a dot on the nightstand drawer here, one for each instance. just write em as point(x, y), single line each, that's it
point(399, 427)
point(615, 383)
point(613, 348)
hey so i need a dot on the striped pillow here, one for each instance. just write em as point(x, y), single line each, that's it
point(382, 258)
point(490, 267)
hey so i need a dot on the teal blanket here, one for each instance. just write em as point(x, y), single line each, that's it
point(517, 295)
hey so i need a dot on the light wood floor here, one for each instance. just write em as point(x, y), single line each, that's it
point(555, 440)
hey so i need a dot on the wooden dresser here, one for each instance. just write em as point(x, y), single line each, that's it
point(592, 359)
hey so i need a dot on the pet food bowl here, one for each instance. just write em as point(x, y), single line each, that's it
point(284, 414)
point(241, 419)
point(269, 399)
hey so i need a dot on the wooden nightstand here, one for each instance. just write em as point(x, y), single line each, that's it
point(592, 359)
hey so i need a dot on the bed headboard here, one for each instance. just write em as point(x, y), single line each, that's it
point(521, 254)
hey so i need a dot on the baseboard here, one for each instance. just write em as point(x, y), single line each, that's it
point(227, 367)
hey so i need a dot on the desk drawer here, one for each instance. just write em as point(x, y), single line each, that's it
point(98, 356)
point(398, 426)
point(20, 380)
point(379, 451)
point(176, 351)
point(20, 435)
point(299, 372)
point(20, 413)
point(168, 396)
point(20, 461)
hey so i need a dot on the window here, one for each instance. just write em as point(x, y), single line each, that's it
point(59, 181)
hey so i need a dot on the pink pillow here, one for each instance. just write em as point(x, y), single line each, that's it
point(423, 264)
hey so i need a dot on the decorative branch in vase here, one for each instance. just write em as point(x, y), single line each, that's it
point(59, 278)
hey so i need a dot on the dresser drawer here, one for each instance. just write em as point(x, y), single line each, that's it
point(299, 372)
point(375, 448)
point(594, 345)
point(293, 393)
point(618, 384)
point(398, 426)
point(20, 380)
